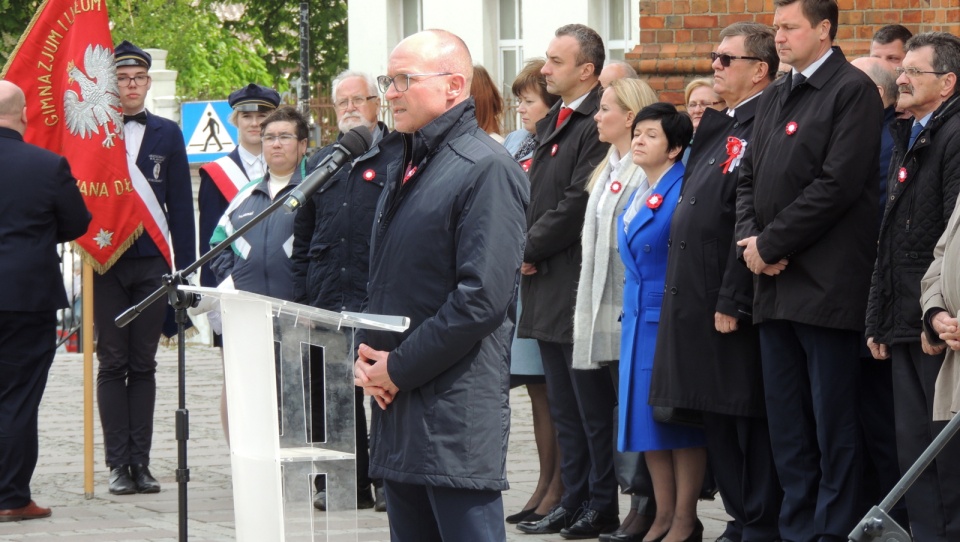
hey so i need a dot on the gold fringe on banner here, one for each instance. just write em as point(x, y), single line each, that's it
point(101, 269)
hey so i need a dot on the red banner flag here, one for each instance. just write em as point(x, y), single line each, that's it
point(64, 64)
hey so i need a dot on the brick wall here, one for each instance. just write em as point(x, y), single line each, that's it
point(677, 36)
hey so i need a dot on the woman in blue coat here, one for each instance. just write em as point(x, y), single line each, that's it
point(674, 454)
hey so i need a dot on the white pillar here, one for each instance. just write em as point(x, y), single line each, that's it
point(162, 98)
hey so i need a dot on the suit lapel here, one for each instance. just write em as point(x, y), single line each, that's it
point(151, 137)
point(646, 214)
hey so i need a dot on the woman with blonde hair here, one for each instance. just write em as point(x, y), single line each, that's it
point(699, 96)
point(596, 327)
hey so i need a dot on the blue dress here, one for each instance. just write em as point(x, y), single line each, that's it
point(524, 353)
point(643, 249)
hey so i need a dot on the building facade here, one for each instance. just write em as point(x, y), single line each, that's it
point(669, 41)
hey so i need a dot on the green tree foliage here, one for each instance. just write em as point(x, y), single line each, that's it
point(278, 22)
point(215, 56)
point(15, 15)
point(211, 60)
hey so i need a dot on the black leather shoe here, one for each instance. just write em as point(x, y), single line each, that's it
point(558, 518)
point(120, 481)
point(320, 501)
point(379, 500)
point(364, 499)
point(513, 519)
point(590, 525)
point(632, 533)
point(144, 481)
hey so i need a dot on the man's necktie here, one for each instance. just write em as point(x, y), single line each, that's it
point(917, 128)
point(140, 117)
point(798, 79)
point(564, 113)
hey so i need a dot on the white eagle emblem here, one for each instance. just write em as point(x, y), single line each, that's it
point(101, 98)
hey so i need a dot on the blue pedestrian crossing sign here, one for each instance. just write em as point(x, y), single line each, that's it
point(206, 131)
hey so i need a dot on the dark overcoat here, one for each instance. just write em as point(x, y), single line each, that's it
point(163, 161)
point(331, 236)
point(446, 252)
point(923, 185)
point(41, 206)
point(561, 167)
point(808, 191)
point(695, 365)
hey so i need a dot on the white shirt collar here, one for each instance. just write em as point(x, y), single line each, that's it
point(812, 68)
point(732, 110)
point(576, 103)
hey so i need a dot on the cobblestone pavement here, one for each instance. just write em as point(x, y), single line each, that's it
point(58, 481)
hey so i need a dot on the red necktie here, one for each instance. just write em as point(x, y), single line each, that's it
point(564, 113)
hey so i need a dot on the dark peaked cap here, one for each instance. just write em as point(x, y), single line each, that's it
point(128, 54)
point(254, 97)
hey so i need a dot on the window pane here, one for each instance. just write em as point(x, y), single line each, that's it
point(411, 17)
point(617, 18)
point(616, 54)
point(508, 68)
point(508, 20)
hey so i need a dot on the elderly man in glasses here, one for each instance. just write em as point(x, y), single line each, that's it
point(922, 195)
point(446, 250)
point(331, 244)
point(126, 385)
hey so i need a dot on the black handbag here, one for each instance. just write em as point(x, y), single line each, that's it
point(679, 416)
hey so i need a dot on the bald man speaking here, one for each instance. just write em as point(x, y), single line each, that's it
point(446, 249)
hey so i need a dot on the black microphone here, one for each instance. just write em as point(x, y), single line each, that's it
point(353, 143)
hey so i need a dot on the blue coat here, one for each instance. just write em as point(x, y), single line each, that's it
point(643, 249)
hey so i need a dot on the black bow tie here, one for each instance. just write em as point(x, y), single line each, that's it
point(140, 117)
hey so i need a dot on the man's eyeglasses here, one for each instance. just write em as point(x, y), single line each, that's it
point(703, 105)
point(357, 101)
point(284, 139)
point(401, 81)
point(138, 80)
point(725, 58)
point(915, 72)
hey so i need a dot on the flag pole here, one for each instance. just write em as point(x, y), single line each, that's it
point(87, 334)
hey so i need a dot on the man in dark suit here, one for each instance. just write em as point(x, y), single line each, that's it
point(41, 206)
point(331, 241)
point(806, 220)
point(924, 184)
point(126, 383)
point(708, 350)
point(581, 402)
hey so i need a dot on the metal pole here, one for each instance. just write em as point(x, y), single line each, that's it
point(304, 94)
point(86, 311)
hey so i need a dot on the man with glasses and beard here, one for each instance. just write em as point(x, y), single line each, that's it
point(331, 244)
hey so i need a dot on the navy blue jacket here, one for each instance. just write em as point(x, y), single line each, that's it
point(446, 252)
point(211, 204)
point(808, 191)
point(260, 260)
point(331, 244)
point(163, 145)
point(41, 206)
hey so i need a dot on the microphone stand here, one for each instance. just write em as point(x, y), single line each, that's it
point(181, 301)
